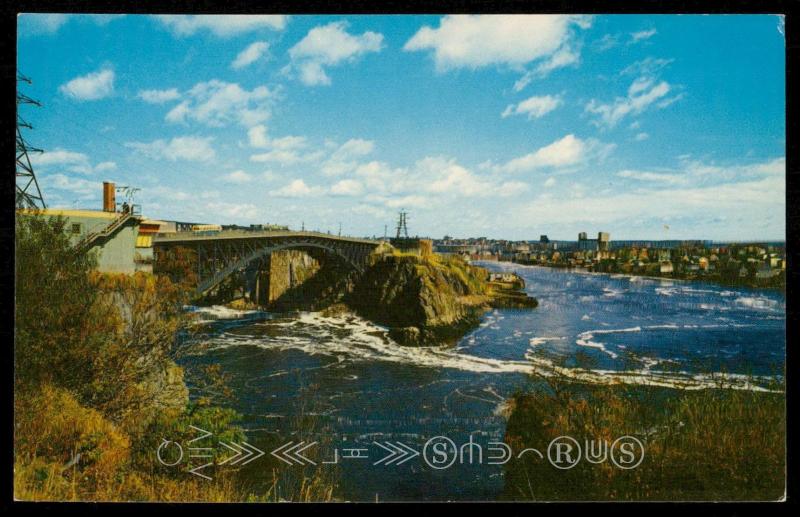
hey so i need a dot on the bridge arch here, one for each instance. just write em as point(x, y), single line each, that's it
point(205, 285)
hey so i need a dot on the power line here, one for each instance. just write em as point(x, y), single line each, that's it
point(28, 194)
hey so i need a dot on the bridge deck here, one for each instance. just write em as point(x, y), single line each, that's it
point(242, 234)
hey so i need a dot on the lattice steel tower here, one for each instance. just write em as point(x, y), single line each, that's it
point(28, 193)
point(402, 229)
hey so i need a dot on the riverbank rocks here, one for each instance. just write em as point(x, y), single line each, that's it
point(430, 301)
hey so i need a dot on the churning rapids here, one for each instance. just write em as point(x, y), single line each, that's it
point(595, 327)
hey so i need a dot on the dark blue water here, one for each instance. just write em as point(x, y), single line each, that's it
point(363, 388)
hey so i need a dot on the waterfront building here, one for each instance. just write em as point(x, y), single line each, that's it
point(112, 233)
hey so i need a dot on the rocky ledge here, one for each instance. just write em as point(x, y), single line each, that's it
point(432, 300)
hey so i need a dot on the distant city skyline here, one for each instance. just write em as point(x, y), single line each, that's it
point(650, 127)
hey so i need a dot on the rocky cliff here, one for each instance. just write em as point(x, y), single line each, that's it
point(427, 301)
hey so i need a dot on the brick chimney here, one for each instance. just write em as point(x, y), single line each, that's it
point(109, 201)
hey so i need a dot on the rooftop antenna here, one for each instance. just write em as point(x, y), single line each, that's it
point(28, 194)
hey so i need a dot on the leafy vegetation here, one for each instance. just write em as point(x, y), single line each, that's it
point(97, 387)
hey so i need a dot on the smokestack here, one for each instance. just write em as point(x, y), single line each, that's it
point(109, 201)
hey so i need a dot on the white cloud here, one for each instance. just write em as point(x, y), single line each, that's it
point(642, 35)
point(568, 151)
point(42, 23)
point(296, 188)
point(698, 173)
point(85, 189)
point(159, 96)
point(257, 136)
point(646, 67)
point(222, 25)
point(344, 158)
point(59, 157)
point(189, 148)
point(237, 177)
point(534, 107)
point(654, 177)
point(105, 166)
point(233, 211)
point(217, 103)
point(640, 137)
point(550, 182)
point(330, 45)
point(750, 197)
point(475, 41)
point(347, 188)
point(250, 55)
point(92, 86)
point(50, 23)
point(642, 93)
point(608, 41)
point(70, 161)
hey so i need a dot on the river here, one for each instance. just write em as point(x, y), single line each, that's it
point(364, 389)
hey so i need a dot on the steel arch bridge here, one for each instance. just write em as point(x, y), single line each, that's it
point(222, 254)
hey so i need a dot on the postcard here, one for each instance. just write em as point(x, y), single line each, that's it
point(387, 258)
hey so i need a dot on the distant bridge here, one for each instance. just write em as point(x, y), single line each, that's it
point(221, 254)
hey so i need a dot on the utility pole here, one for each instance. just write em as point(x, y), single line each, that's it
point(28, 194)
point(340, 229)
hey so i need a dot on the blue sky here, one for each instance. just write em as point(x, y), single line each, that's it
point(656, 126)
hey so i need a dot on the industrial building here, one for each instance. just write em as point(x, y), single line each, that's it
point(120, 236)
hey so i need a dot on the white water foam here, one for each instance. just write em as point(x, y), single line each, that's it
point(350, 337)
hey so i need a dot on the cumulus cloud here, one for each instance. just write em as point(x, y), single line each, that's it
point(534, 107)
point(82, 188)
point(642, 93)
point(345, 158)
point(92, 86)
point(217, 103)
point(296, 188)
point(237, 177)
point(159, 96)
point(222, 25)
point(233, 211)
point(257, 136)
point(287, 150)
point(70, 161)
point(329, 45)
point(188, 148)
point(566, 152)
point(347, 188)
point(475, 41)
point(250, 55)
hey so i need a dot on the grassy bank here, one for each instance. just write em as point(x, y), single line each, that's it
point(705, 445)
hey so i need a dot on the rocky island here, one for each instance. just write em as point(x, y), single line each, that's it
point(428, 300)
point(424, 299)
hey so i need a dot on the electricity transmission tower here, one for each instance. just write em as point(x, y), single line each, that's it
point(28, 194)
point(402, 229)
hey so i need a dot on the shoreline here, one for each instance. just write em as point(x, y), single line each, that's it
point(586, 271)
